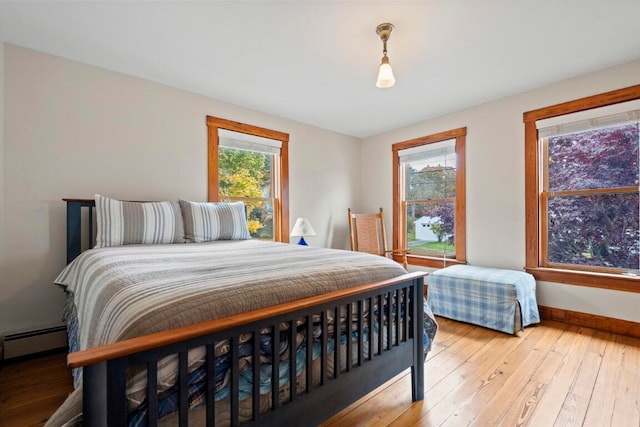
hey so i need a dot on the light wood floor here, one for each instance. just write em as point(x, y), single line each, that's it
point(552, 375)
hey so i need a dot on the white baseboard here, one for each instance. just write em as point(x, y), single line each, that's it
point(31, 342)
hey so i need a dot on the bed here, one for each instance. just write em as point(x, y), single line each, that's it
point(232, 332)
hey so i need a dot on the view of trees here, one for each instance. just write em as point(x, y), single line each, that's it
point(430, 191)
point(247, 175)
point(600, 225)
point(593, 209)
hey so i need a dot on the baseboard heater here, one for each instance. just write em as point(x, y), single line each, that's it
point(31, 342)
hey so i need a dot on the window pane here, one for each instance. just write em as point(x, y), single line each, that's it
point(595, 230)
point(432, 179)
point(260, 220)
point(244, 173)
point(430, 229)
point(247, 174)
point(601, 158)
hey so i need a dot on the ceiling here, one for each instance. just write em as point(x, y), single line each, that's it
point(316, 61)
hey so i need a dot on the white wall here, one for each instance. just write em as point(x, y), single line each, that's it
point(495, 182)
point(72, 130)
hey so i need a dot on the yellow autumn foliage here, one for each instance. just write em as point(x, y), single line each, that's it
point(253, 225)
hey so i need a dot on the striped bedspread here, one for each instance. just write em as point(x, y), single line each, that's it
point(117, 293)
point(129, 291)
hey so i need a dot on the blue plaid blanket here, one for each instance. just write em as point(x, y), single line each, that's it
point(504, 300)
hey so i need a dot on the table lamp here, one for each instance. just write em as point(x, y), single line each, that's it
point(301, 229)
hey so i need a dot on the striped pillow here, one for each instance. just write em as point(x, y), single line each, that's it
point(204, 222)
point(128, 223)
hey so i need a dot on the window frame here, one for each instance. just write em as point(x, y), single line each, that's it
point(399, 228)
point(281, 184)
point(534, 215)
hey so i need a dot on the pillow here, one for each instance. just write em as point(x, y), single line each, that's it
point(127, 223)
point(204, 222)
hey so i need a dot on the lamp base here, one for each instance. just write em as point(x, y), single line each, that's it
point(302, 242)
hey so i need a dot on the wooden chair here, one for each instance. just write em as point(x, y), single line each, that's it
point(366, 234)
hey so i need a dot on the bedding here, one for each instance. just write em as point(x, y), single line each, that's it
point(127, 223)
point(208, 221)
point(117, 293)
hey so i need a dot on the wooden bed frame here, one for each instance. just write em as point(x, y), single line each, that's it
point(104, 368)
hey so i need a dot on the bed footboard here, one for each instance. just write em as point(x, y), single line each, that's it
point(292, 364)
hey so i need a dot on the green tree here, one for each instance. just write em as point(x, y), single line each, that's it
point(242, 173)
point(434, 185)
point(248, 174)
point(432, 182)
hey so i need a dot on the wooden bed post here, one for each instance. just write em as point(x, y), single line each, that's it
point(73, 229)
point(417, 370)
point(104, 402)
point(74, 226)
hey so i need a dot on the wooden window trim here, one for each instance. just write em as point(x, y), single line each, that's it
point(459, 135)
point(281, 212)
point(533, 216)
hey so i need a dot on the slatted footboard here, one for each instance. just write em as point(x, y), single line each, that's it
point(384, 338)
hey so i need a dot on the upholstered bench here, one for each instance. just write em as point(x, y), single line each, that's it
point(504, 300)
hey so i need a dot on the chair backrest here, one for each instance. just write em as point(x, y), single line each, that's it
point(366, 233)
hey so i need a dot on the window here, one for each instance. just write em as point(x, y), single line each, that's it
point(250, 164)
point(429, 198)
point(582, 191)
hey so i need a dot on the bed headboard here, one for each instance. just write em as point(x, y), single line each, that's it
point(74, 226)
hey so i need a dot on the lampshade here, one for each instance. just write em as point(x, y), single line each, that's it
point(385, 74)
point(302, 228)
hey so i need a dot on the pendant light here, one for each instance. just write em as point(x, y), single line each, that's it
point(385, 73)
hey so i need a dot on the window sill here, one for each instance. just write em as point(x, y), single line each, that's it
point(423, 261)
point(616, 282)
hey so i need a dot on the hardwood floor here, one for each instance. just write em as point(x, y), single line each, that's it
point(32, 390)
point(553, 374)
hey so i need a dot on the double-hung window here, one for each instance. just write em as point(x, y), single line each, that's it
point(429, 198)
point(582, 191)
point(249, 164)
